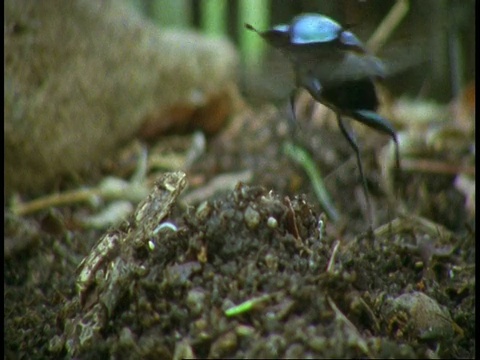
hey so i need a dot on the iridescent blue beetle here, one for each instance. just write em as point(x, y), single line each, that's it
point(334, 66)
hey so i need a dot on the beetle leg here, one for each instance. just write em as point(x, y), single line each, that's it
point(308, 81)
point(314, 87)
point(375, 121)
point(351, 140)
point(311, 83)
point(292, 120)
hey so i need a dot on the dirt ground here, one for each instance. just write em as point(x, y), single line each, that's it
point(257, 270)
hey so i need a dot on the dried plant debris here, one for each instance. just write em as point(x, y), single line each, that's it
point(105, 275)
point(253, 274)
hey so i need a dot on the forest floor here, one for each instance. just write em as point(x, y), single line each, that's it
point(307, 286)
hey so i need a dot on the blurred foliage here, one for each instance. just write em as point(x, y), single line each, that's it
point(433, 50)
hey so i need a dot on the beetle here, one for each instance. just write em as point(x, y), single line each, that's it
point(333, 65)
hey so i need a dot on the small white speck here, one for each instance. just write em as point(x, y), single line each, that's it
point(164, 225)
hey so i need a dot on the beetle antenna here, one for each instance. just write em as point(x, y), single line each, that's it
point(250, 27)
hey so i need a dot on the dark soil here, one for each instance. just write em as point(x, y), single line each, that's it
point(317, 288)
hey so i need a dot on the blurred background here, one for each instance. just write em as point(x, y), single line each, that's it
point(430, 54)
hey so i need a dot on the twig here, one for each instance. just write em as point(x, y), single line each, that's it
point(388, 25)
point(331, 262)
point(436, 167)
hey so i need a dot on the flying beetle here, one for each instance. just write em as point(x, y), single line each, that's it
point(333, 65)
